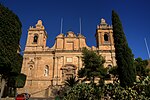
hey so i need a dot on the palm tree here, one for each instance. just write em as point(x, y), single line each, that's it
point(71, 81)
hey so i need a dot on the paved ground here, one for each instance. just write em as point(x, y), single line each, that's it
point(41, 99)
point(7, 99)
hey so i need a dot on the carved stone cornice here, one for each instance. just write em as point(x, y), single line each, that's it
point(37, 52)
point(105, 51)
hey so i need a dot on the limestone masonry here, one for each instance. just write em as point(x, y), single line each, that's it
point(49, 67)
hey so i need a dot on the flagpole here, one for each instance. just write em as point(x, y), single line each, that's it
point(80, 24)
point(147, 48)
point(61, 27)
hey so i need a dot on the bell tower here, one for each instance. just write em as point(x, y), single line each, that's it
point(36, 39)
point(105, 42)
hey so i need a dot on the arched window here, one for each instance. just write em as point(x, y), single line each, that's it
point(105, 37)
point(35, 39)
point(46, 70)
point(109, 67)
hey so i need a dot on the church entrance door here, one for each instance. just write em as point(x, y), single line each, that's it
point(68, 71)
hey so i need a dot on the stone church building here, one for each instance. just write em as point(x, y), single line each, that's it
point(47, 67)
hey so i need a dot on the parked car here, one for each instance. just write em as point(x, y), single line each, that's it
point(23, 96)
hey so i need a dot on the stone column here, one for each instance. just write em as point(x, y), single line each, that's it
point(53, 82)
point(30, 38)
point(62, 73)
point(37, 65)
point(58, 70)
point(39, 39)
point(60, 64)
point(99, 38)
point(78, 63)
point(55, 68)
point(25, 66)
point(64, 44)
point(63, 60)
point(42, 37)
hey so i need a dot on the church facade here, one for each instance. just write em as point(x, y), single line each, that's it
point(47, 67)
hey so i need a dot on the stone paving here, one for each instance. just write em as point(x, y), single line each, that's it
point(41, 99)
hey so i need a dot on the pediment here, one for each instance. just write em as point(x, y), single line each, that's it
point(80, 36)
point(60, 36)
point(71, 34)
point(31, 62)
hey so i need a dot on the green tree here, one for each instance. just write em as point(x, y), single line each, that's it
point(124, 56)
point(113, 71)
point(93, 65)
point(141, 67)
point(10, 32)
point(140, 91)
point(82, 92)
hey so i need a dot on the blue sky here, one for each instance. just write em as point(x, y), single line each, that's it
point(134, 14)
